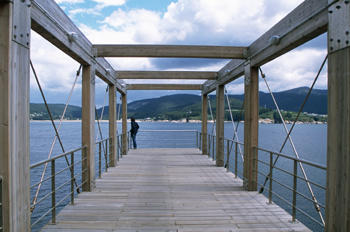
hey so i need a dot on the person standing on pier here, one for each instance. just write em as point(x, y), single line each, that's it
point(133, 131)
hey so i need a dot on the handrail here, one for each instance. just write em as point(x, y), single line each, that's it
point(168, 138)
point(56, 157)
point(295, 176)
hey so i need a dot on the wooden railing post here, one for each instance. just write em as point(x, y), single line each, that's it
point(251, 125)
point(112, 125)
point(124, 124)
point(337, 216)
point(204, 124)
point(220, 118)
point(88, 125)
point(14, 114)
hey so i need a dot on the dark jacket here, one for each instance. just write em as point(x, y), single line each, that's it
point(134, 127)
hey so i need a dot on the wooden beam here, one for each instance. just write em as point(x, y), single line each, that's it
point(113, 125)
point(176, 51)
point(337, 217)
point(106, 72)
point(307, 21)
point(251, 126)
point(49, 21)
point(163, 87)
point(88, 126)
point(166, 75)
point(14, 117)
point(220, 120)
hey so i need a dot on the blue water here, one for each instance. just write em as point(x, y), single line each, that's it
point(310, 142)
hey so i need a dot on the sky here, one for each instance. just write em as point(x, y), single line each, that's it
point(176, 22)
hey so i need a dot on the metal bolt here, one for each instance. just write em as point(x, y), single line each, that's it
point(347, 42)
point(331, 40)
point(15, 36)
point(330, 11)
point(21, 35)
point(347, 32)
point(338, 40)
point(331, 48)
point(338, 7)
point(29, 5)
point(27, 43)
point(15, 26)
point(346, 1)
point(27, 34)
point(23, 0)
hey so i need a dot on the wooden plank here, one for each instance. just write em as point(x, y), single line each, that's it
point(177, 51)
point(14, 117)
point(88, 126)
point(166, 75)
point(220, 120)
point(251, 125)
point(163, 87)
point(188, 201)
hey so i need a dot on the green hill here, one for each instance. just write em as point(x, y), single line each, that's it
point(179, 106)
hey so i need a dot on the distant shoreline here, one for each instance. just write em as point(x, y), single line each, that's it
point(261, 121)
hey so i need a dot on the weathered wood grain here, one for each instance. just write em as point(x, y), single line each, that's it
point(171, 190)
point(164, 87)
point(177, 51)
point(166, 75)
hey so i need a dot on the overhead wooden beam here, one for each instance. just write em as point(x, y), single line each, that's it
point(176, 51)
point(163, 87)
point(49, 21)
point(166, 75)
point(106, 72)
point(307, 21)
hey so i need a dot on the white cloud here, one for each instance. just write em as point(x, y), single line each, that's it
point(69, 1)
point(201, 22)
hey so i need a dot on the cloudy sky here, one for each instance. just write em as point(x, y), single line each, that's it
point(178, 22)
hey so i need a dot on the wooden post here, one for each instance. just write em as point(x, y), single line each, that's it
point(337, 216)
point(204, 124)
point(113, 124)
point(251, 124)
point(88, 125)
point(220, 120)
point(14, 115)
point(124, 124)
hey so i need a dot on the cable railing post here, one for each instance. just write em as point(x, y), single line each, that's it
point(295, 179)
point(197, 137)
point(213, 147)
point(236, 162)
point(208, 145)
point(72, 179)
point(53, 190)
point(255, 178)
point(270, 179)
point(99, 160)
point(228, 156)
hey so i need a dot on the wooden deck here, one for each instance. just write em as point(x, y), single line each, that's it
point(171, 190)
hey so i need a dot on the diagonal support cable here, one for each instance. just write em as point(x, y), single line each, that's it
point(235, 135)
point(290, 139)
point(56, 129)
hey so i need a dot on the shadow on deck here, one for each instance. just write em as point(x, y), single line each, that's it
point(171, 190)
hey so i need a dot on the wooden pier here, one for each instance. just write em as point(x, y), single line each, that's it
point(171, 190)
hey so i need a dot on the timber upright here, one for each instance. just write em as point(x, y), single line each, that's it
point(14, 114)
point(338, 148)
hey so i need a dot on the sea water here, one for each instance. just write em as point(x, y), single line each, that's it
point(310, 141)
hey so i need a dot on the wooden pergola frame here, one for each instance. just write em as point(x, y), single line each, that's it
point(309, 20)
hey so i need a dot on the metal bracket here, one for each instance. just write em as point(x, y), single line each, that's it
point(247, 72)
point(339, 27)
point(21, 23)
